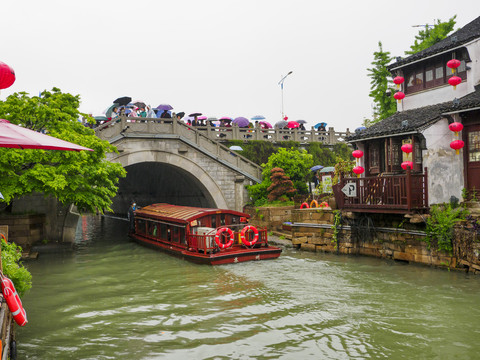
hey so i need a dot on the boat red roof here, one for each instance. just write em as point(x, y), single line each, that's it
point(183, 214)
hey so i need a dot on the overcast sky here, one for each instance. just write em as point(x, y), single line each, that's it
point(217, 57)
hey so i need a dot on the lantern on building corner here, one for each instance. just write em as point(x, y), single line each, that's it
point(456, 127)
point(454, 64)
point(398, 80)
point(7, 76)
point(399, 96)
point(357, 154)
point(407, 149)
point(407, 164)
point(457, 145)
point(358, 170)
point(454, 81)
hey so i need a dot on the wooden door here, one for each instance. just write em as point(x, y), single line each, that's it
point(472, 154)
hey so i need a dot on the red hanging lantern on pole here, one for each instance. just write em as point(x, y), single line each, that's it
point(454, 64)
point(7, 76)
point(358, 170)
point(407, 148)
point(397, 80)
point(407, 164)
point(457, 145)
point(357, 154)
point(399, 96)
point(456, 127)
point(454, 81)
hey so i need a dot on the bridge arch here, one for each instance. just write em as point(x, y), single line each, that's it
point(161, 176)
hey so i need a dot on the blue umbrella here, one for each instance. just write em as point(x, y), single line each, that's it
point(316, 167)
point(360, 128)
point(322, 124)
point(236, 148)
point(258, 117)
point(241, 121)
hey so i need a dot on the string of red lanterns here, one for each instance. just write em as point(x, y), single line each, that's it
point(456, 145)
point(7, 76)
point(454, 80)
point(357, 154)
point(407, 149)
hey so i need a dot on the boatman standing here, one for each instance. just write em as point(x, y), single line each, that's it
point(131, 217)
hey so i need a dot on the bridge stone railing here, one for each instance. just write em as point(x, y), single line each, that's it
point(223, 134)
point(153, 128)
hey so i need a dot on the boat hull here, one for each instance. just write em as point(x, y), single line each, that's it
point(232, 255)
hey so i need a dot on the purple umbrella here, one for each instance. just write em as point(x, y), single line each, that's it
point(241, 121)
point(164, 107)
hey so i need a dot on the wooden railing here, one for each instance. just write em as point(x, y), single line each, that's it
point(387, 193)
point(206, 243)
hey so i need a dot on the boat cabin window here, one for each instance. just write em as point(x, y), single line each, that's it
point(141, 226)
point(214, 221)
point(152, 229)
point(222, 219)
point(163, 231)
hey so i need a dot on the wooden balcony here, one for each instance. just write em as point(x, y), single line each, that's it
point(401, 194)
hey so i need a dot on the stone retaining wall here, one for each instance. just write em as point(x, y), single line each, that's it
point(397, 244)
point(24, 229)
point(270, 217)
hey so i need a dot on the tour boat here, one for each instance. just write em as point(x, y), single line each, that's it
point(202, 235)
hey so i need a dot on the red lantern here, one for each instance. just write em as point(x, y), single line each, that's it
point(357, 154)
point(398, 80)
point(407, 164)
point(358, 170)
point(457, 145)
point(285, 118)
point(7, 76)
point(456, 127)
point(407, 148)
point(399, 96)
point(453, 64)
point(454, 81)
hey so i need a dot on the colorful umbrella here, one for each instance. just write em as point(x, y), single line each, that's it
point(17, 137)
point(281, 124)
point(265, 125)
point(241, 121)
point(226, 118)
point(203, 117)
point(316, 167)
point(164, 107)
point(293, 125)
point(122, 100)
point(258, 117)
point(322, 124)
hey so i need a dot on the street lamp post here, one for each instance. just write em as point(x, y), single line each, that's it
point(281, 86)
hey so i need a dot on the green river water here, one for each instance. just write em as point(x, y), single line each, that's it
point(114, 299)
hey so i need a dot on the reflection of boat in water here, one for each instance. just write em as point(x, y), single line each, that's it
point(208, 236)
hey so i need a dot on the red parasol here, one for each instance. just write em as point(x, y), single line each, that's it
point(13, 136)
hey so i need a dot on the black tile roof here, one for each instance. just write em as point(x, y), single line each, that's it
point(469, 32)
point(417, 119)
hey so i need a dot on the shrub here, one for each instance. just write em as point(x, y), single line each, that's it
point(21, 277)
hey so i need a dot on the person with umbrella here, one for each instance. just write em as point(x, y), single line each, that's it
point(165, 115)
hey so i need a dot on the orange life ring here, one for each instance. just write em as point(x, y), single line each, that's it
point(314, 202)
point(230, 238)
point(304, 205)
point(13, 301)
point(4, 238)
point(244, 231)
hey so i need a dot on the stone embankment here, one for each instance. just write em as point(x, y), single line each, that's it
point(396, 238)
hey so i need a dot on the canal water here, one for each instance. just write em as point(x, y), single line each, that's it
point(114, 299)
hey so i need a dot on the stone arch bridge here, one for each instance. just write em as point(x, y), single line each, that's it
point(168, 161)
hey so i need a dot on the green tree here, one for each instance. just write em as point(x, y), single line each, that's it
point(295, 163)
point(83, 178)
point(327, 156)
point(432, 35)
point(384, 103)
